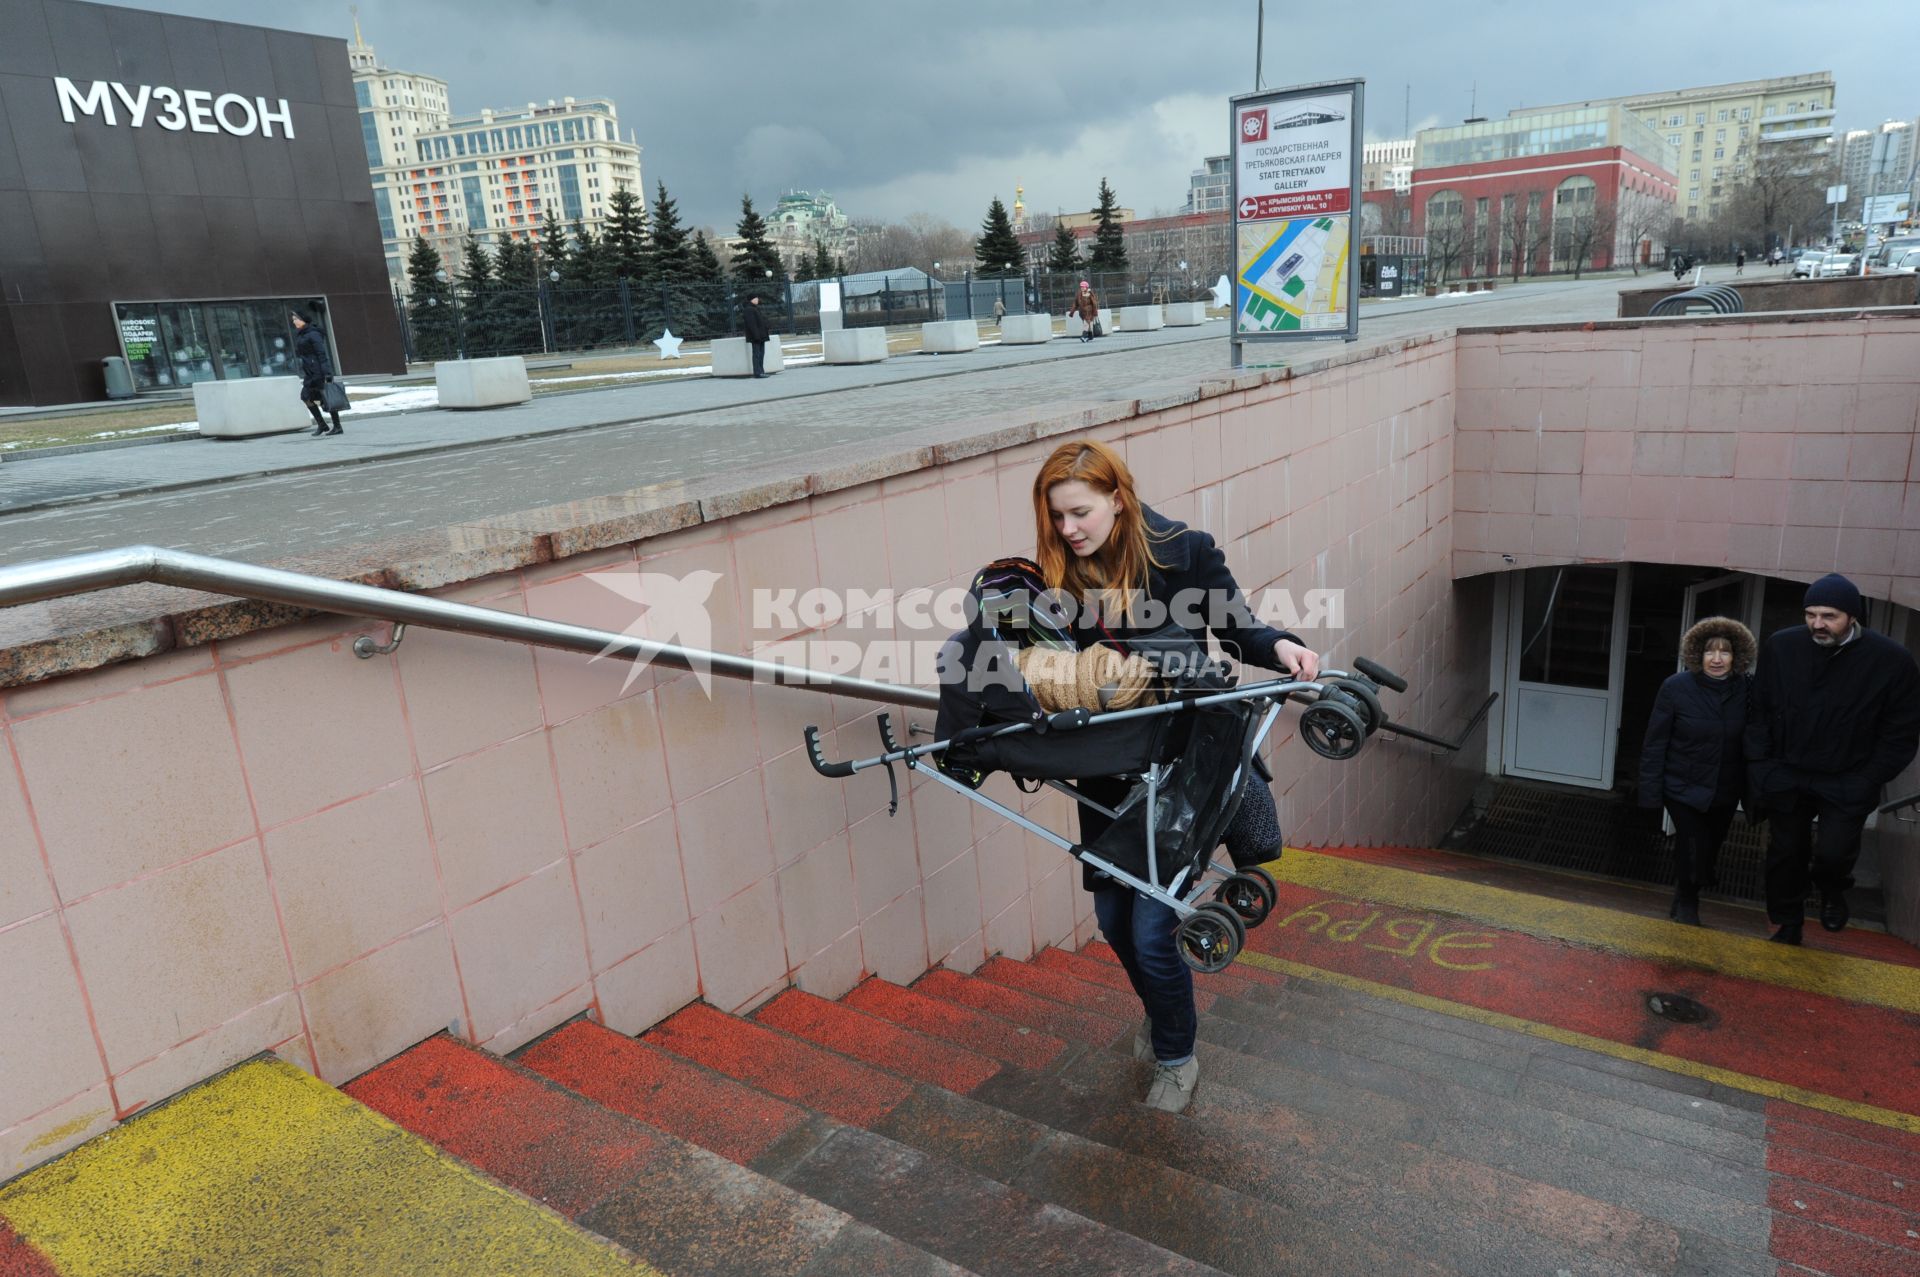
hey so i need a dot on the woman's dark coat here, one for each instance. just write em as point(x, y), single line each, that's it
point(310, 348)
point(1692, 754)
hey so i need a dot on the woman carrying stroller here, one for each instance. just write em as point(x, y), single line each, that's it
point(1692, 759)
point(1117, 559)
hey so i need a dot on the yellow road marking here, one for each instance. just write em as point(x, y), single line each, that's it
point(1618, 1050)
point(1835, 975)
point(265, 1169)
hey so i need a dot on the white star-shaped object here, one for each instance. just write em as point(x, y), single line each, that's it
point(1223, 293)
point(669, 344)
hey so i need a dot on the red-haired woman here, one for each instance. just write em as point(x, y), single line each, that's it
point(1131, 571)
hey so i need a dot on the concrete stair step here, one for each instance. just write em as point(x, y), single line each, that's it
point(264, 1168)
point(1715, 1204)
point(984, 1034)
point(689, 1211)
point(1138, 1192)
point(944, 1208)
point(1319, 1209)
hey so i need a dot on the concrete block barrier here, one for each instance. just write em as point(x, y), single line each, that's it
point(482, 383)
point(856, 345)
point(1026, 330)
point(1141, 319)
point(732, 357)
point(250, 406)
point(949, 336)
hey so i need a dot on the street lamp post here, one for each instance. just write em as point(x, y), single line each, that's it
point(930, 278)
point(545, 308)
point(459, 320)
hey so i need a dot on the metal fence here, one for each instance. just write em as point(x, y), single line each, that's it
point(519, 321)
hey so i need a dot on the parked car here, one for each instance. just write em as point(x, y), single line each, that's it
point(1838, 264)
point(1807, 265)
point(1892, 247)
point(1908, 262)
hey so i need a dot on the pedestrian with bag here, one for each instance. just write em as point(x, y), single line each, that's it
point(1087, 306)
point(1834, 717)
point(1693, 760)
point(318, 389)
point(754, 325)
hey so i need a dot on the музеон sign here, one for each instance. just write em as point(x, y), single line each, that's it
point(195, 110)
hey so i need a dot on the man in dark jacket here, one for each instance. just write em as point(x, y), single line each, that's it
point(1835, 716)
point(754, 325)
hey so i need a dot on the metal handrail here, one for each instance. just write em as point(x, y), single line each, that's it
point(138, 564)
point(1452, 746)
point(1911, 800)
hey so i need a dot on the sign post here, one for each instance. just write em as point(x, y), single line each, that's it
point(1294, 192)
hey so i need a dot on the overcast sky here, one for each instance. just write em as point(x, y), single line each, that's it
point(901, 106)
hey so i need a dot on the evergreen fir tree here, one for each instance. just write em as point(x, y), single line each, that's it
point(552, 253)
point(553, 247)
point(1109, 241)
point(625, 238)
point(514, 310)
point(1063, 258)
point(756, 263)
point(997, 253)
point(474, 291)
point(707, 301)
point(669, 256)
point(823, 264)
point(430, 303)
point(839, 265)
point(593, 305)
point(803, 269)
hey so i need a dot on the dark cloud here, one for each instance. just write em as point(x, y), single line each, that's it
point(915, 106)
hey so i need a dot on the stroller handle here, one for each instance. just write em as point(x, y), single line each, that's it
point(819, 758)
point(1380, 674)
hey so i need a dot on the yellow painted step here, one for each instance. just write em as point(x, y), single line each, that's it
point(265, 1169)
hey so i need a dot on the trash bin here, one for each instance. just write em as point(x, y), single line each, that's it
point(119, 377)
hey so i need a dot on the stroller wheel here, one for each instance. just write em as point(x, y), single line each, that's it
point(1368, 705)
point(1211, 938)
point(1332, 730)
point(1251, 894)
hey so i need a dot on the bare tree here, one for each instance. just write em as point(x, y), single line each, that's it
point(1785, 186)
point(1524, 231)
point(1580, 233)
point(1642, 219)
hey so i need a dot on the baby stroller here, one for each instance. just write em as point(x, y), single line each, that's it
point(1184, 764)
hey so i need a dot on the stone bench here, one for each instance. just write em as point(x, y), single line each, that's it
point(949, 336)
point(1103, 317)
point(1026, 330)
point(249, 406)
point(1141, 319)
point(1185, 314)
point(733, 358)
point(855, 345)
point(482, 383)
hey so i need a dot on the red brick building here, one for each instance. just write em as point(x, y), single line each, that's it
point(1545, 191)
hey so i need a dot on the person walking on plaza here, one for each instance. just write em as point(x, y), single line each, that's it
point(1739, 261)
point(1087, 306)
point(1835, 715)
point(1115, 557)
point(754, 324)
point(316, 370)
point(1692, 760)
point(999, 311)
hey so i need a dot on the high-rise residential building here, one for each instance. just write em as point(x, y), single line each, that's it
point(437, 176)
point(1719, 132)
point(1387, 166)
point(1208, 185)
point(801, 219)
point(1877, 161)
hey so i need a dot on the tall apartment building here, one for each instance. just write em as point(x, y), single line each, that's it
point(436, 175)
point(1207, 186)
point(1718, 132)
point(1877, 162)
point(1387, 166)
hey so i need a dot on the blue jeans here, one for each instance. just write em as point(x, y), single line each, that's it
point(1140, 929)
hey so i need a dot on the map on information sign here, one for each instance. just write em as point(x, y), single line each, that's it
point(1292, 275)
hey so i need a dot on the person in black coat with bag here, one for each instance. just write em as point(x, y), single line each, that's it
point(316, 370)
point(1835, 717)
point(753, 324)
point(1693, 760)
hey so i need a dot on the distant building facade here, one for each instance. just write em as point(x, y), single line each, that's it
point(498, 173)
point(1387, 166)
point(1718, 132)
point(1155, 245)
point(801, 219)
point(1540, 191)
point(1208, 185)
point(1877, 162)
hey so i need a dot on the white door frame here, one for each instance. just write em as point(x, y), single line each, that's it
point(1613, 693)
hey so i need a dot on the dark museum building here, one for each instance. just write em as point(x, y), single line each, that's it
point(169, 188)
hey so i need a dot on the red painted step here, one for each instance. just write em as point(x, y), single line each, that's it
point(1828, 1250)
point(1120, 1004)
point(1866, 1132)
point(886, 1045)
point(779, 1065)
point(1241, 980)
point(988, 1035)
point(735, 1121)
point(18, 1259)
point(552, 1146)
point(1845, 1177)
point(1090, 1028)
point(1797, 1199)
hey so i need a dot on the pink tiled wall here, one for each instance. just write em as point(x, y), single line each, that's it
point(271, 844)
point(1783, 448)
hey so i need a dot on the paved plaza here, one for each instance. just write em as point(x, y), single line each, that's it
point(262, 498)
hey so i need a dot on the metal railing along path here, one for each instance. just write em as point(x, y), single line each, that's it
point(147, 564)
